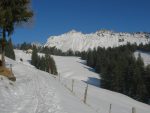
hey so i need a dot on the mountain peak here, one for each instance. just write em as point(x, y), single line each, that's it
point(104, 31)
point(78, 41)
point(73, 31)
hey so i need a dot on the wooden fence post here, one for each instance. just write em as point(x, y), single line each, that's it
point(72, 84)
point(133, 110)
point(11, 68)
point(12, 77)
point(59, 76)
point(85, 94)
point(110, 108)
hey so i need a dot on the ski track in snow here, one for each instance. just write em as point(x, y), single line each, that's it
point(37, 96)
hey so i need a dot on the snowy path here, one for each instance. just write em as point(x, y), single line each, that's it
point(30, 94)
point(43, 93)
point(36, 91)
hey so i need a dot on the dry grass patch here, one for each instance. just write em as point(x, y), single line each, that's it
point(7, 73)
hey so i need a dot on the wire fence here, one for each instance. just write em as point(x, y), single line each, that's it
point(86, 93)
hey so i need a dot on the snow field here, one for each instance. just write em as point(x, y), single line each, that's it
point(50, 97)
point(73, 68)
point(100, 99)
point(36, 91)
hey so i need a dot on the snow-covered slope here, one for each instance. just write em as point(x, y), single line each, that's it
point(38, 92)
point(78, 41)
point(75, 68)
point(97, 98)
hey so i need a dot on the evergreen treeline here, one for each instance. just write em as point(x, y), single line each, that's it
point(120, 71)
point(45, 62)
point(55, 51)
point(24, 46)
point(145, 47)
point(46, 50)
point(9, 50)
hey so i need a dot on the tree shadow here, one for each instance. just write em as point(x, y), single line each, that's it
point(90, 69)
point(93, 81)
point(29, 61)
point(84, 63)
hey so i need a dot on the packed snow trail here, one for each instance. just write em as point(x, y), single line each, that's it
point(36, 91)
point(36, 95)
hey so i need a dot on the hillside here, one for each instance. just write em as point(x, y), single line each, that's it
point(38, 92)
point(75, 68)
point(78, 41)
point(98, 98)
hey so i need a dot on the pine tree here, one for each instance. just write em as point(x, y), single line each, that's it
point(51, 65)
point(118, 78)
point(34, 57)
point(147, 82)
point(12, 12)
point(9, 51)
point(90, 59)
point(139, 86)
point(129, 71)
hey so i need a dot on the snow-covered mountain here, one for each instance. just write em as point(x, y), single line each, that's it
point(78, 41)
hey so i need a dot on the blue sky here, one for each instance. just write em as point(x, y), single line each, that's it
point(54, 17)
